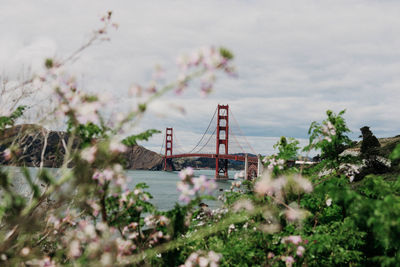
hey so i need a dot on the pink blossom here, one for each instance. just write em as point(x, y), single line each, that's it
point(289, 260)
point(300, 250)
point(133, 235)
point(295, 214)
point(203, 261)
point(214, 257)
point(108, 174)
point(145, 197)
point(294, 239)
point(163, 220)
point(149, 220)
point(89, 154)
point(95, 207)
point(268, 186)
point(245, 204)
point(303, 183)
point(47, 262)
point(264, 185)
point(7, 154)
point(201, 258)
point(201, 184)
point(186, 173)
point(74, 249)
point(117, 147)
point(186, 192)
point(88, 112)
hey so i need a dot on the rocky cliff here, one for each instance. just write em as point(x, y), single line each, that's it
point(30, 139)
point(140, 158)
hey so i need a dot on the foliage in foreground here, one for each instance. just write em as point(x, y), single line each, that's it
point(290, 216)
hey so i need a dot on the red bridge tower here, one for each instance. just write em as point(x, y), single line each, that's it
point(168, 149)
point(221, 165)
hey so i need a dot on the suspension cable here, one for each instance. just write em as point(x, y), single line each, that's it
point(234, 136)
point(209, 124)
point(207, 140)
point(162, 146)
point(177, 146)
point(240, 130)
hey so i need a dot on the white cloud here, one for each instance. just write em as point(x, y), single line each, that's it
point(295, 59)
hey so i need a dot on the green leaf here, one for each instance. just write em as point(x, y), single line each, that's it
point(395, 153)
point(144, 136)
point(225, 53)
point(48, 63)
point(10, 120)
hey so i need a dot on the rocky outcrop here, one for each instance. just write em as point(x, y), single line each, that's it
point(369, 143)
point(373, 155)
point(29, 141)
point(140, 158)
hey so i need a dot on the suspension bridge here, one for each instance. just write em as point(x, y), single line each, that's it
point(223, 140)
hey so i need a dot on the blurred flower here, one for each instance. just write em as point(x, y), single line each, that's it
point(189, 186)
point(25, 251)
point(266, 185)
point(202, 259)
point(245, 204)
point(300, 250)
point(231, 228)
point(74, 249)
point(289, 260)
point(294, 239)
point(295, 214)
point(329, 202)
point(7, 154)
point(117, 147)
point(303, 183)
point(186, 173)
point(89, 154)
point(328, 130)
point(106, 259)
point(186, 192)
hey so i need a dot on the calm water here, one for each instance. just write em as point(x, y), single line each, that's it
point(162, 185)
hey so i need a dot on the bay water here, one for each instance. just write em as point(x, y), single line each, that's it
point(162, 185)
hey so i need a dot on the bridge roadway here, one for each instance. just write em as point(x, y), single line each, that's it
point(213, 156)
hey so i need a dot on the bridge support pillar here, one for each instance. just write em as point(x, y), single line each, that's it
point(250, 168)
point(221, 168)
point(168, 165)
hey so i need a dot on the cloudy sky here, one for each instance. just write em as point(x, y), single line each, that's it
point(295, 59)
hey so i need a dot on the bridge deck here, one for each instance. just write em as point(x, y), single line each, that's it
point(213, 156)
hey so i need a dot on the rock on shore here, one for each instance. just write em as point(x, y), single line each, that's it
point(32, 138)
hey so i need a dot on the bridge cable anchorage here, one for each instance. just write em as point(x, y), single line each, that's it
point(252, 150)
point(208, 127)
point(213, 134)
